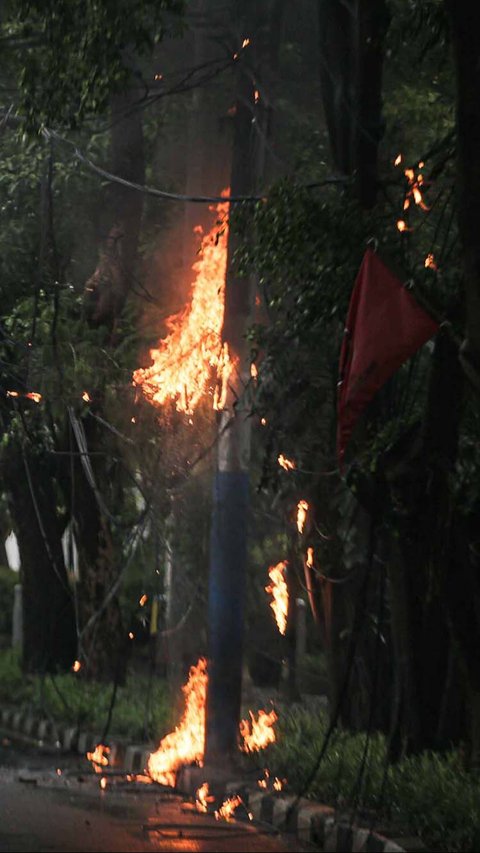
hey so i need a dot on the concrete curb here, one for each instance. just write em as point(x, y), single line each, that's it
point(308, 820)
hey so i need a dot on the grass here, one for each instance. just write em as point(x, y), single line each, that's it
point(428, 795)
point(70, 700)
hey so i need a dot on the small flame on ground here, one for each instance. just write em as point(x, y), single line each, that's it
point(258, 733)
point(186, 743)
point(302, 509)
point(228, 808)
point(76, 666)
point(99, 757)
point(203, 797)
point(286, 464)
point(185, 361)
point(279, 591)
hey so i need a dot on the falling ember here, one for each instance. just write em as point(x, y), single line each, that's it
point(256, 96)
point(33, 395)
point(186, 744)
point(287, 464)
point(254, 371)
point(402, 225)
point(302, 509)
point(143, 600)
point(279, 592)
point(263, 421)
point(430, 262)
point(86, 397)
point(245, 42)
point(103, 783)
point(76, 666)
point(131, 635)
point(398, 160)
point(13, 394)
point(99, 757)
point(192, 360)
point(258, 733)
point(203, 798)
point(309, 558)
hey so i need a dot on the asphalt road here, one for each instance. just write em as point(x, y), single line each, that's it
point(41, 810)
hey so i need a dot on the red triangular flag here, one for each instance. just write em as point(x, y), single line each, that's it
point(385, 325)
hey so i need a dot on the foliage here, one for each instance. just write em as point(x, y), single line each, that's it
point(74, 54)
point(69, 700)
point(429, 795)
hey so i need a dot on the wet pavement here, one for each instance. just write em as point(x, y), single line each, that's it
point(42, 809)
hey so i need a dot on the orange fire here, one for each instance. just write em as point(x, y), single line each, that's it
point(286, 464)
point(76, 666)
point(228, 808)
point(99, 757)
point(398, 160)
point(430, 262)
point(309, 558)
point(203, 798)
point(103, 783)
point(278, 784)
point(143, 600)
point(263, 783)
point(279, 591)
point(186, 743)
point(302, 509)
point(258, 733)
point(86, 397)
point(192, 360)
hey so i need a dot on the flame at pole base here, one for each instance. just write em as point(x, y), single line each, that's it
point(192, 360)
point(186, 744)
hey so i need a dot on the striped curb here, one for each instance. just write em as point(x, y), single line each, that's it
point(309, 821)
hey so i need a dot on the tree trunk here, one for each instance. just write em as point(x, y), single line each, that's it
point(49, 635)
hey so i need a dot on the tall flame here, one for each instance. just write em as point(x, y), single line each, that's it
point(279, 591)
point(192, 361)
point(186, 743)
point(258, 733)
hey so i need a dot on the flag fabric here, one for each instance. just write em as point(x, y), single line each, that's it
point(385, 326)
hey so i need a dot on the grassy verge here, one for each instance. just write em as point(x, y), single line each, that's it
point(141, 710)
point(428, 795)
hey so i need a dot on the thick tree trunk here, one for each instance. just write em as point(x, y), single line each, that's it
point(100, 557)
point(49, 634)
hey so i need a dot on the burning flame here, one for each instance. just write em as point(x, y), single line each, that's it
point(287, 464)
point(228, 808)
point(186, 743)
point(29, 395)
point(76, 666)
point(279, 592)
point(143, 600)
point(402, 225)
point(185, 360)
point(86, 397)
point(309, 558)
point(302, 509)
point(103, 783)
point(254, 371)
point(203, 798)
point(258, 733)
point(99, 757)
point(279, 783)
point(263, 783)
point(398, 160)
point(430, 262)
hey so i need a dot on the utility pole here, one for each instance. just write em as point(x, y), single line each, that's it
point(228, 550)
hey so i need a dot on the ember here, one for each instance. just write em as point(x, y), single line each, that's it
point(99, 757)
point(192, 361)
point(258, 733)
point(287, 464)
point(302, 509)
point(186, 743)
point(279, 591)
